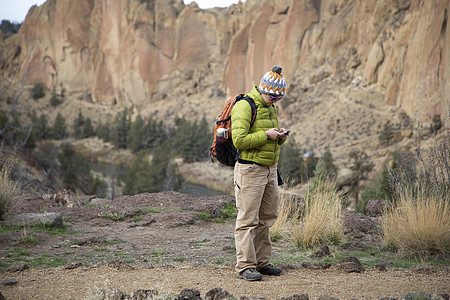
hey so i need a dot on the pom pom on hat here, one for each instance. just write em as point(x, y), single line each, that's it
point(273, 83)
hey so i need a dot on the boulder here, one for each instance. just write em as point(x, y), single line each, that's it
point(32, 219)
point(218, 294)
point(357, 222)
point(350, 264)
point(189, 294)
point(375, 208)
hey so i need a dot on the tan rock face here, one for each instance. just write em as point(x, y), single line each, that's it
point(125, 51)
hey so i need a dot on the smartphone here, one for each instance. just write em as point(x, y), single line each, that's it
point(286, 132)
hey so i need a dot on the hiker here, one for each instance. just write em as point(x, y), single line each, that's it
point(255, 175)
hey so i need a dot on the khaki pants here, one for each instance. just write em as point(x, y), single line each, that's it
point(256, 189)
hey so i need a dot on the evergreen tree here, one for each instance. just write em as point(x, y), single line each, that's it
point(119, 134)
point(309, 166)
point(386, 135)
point(291, 164)
point(325, 166)
point(361, 166)
point(437, 124)
point(78, 124)
point(139, 177)
point(137, 130)
point(59, 130)
point(193, 139)
point(88, 128)
point(43, 131)
point(54, 100)
point(73, 166)
point(38, 91)
point(103, 131)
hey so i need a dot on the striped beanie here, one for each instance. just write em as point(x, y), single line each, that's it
point(273, 83)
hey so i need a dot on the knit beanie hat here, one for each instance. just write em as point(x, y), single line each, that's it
point(273, 83)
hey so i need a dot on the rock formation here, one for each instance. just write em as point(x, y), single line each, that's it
point(118, 51)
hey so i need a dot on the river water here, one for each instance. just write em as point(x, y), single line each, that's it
point(111, 173)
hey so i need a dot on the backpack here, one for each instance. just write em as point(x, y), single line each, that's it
point(222, 147)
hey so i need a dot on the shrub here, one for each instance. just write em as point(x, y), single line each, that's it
point(321, 222)
point(418, 226)
point(288, 214)
point(8, 187)
point(423, 172)
point(38, 91)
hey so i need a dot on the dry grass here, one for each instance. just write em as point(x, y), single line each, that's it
point(418, 226)
point(8, 187)
point(288, 213)
point(319, 223)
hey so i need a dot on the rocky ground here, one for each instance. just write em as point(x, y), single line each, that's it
point(171, 245)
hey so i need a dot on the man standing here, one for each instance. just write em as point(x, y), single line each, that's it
point(255, 175)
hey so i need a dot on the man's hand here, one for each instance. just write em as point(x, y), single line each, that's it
point(283, 136)
point(273, 134)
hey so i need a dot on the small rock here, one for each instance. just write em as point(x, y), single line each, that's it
point(316, 266)
point(144, 294)
point(423, 269)
point(375, 208)
point(17, 268)
point(354, 246)
point(297, 297)
point(218, 294)
point(189, 294)
point(381, 267)
point(32, 219)
point(324, 251)
point(417, 296)
point(9, 281)
point(325, 297)
point(350, 264)
point(73, 265)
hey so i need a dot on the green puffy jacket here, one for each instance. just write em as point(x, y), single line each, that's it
point(253, 142)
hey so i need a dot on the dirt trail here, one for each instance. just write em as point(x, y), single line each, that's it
point(83, 283)
point(164, 243)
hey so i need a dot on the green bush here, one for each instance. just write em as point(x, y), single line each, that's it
point(38, 91)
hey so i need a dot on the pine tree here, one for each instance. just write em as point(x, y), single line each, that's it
point(325, 166)
point(386, 135)
point(291, 164)
point(119, 134)
point(361, 166)
point(73, 166)
point(78, 124)
point(43, 131)
point(59, 130)
point(137, 129)
point(88, 129)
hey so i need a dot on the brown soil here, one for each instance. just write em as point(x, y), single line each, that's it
point(169, 251)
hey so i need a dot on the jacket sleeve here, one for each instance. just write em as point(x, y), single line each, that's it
point(240, 126)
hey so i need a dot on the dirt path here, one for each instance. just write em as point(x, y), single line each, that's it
point(164, 243)
point(83, 283)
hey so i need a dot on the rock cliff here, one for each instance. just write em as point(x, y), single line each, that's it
point(369, 60)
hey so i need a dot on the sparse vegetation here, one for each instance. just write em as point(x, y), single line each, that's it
point(321, 222)
point(418, 224)
point(288, 215)
point(115, 216)
point(8, 187)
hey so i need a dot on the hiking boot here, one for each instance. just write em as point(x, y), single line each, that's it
point(270, 270)
point(250, 274)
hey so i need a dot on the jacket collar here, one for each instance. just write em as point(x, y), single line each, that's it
point(256, 95)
